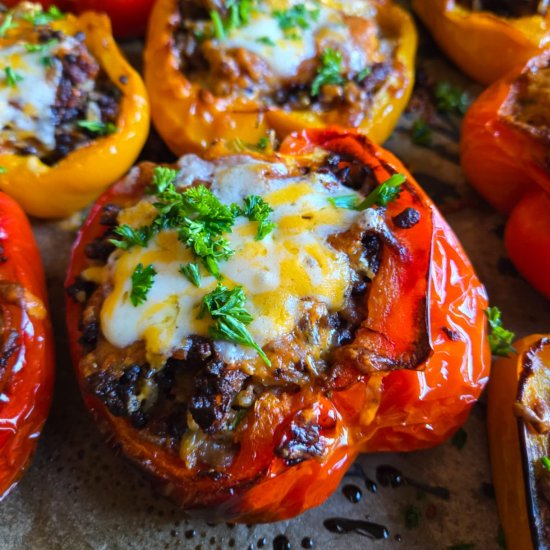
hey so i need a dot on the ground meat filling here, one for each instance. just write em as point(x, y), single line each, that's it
point(84, 94)
point(508, 8)
point(237, 71)
point(195, 391)
point(526, 106)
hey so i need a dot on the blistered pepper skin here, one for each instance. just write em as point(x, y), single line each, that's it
point(400, 411)
point(485, 46)
point(71, 184)
point(508, 167)
point(189, 120)
point(29, 382)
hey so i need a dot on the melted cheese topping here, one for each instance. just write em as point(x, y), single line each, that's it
point(25, 110)
point(26, 107)
point(293, 263)
point(278, 274)
point(285, 54)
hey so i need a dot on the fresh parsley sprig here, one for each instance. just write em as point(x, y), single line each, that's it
point(381, 195)
point(226, 307)
point(191, 271)
point(451, 99)
point(238, 15)
point(40, 17)
point(142, 281)
point(421, 133)
point(546, 464)
point(296, 17)
point(131, 237)
point(257, 210)
point(329, 71)
point(98, 127)
point(500, 339)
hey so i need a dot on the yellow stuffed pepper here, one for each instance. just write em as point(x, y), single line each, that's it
point(487, 38)
point(73, 113)
point(239, 70)
point(519, 431)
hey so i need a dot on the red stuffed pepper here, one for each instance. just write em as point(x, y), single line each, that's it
point(504, 153)
point(26, 353)
point(243, 326)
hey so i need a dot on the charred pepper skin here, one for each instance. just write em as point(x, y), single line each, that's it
point(484, 45)
point(398, 411)
point(189, 120)
point(72, 183)
point(29, 386)
point(508, 167)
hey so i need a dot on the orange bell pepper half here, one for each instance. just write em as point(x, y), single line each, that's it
point(72, 183)
point(190, 118)
point(26, 345)
point(505, 159)
point(436, 343)
point(485, 46)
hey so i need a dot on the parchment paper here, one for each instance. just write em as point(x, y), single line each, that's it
point(79, 495)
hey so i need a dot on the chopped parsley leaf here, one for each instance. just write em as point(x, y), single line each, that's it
point(219, 29)
point(348, 202)
point(3, 170)
point(11, 77)
point(98, 127)
point(131, 237)
point(40, 48)
point(329, 72)
point(297, 17)
point(459, 439)
point(257, 210)
point(363, 73)
point(142, 281)
point(421, 133)
point(226, 307)
point(381, 195)
point(7, 24)
point(265, 40)
point(500, 339)
point(546, 463)
point(238, 15)
point(384, 193)
point(41, 17)
point(450, 99)
point(191, 271)
point(47, 61)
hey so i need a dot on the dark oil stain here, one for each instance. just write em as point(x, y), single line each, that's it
point(280, 542)
point(352, 493)
point(388, 475)
point(359, 526)
point(357, 471)
point(308, 542)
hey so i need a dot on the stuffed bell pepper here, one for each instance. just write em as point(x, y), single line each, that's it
point(73, 113)
point(519, 430)
point(26, 345)
point(487, 38)
point(236, 70)
point(242, 326)
point(504, 153)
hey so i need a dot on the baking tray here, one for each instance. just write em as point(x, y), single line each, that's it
point(78, 495)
